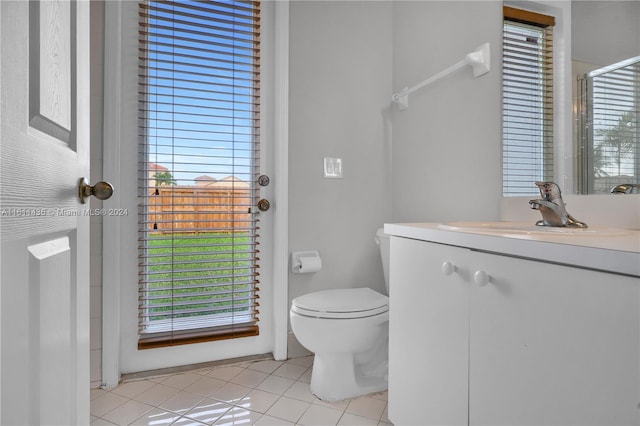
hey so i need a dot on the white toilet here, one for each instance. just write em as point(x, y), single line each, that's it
point(348, 331)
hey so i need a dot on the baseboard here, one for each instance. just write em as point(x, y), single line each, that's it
point(172, 370)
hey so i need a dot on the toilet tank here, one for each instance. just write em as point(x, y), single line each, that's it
point(383, 242)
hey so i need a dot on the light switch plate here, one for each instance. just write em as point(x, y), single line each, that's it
point(332, 168)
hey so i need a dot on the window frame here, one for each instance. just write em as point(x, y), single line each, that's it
point(159, 122)
point(549, 147)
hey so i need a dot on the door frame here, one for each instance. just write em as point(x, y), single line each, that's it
point(0, 224)
point(113, 142)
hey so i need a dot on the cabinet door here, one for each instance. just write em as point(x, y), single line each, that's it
point(428, 335)
point(553, 345)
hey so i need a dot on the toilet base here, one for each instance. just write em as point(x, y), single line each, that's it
point(336, 377)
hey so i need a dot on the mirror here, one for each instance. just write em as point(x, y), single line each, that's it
point(607, 129)
point(606, 94)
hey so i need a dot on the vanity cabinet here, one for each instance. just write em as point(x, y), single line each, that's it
point(487, 339)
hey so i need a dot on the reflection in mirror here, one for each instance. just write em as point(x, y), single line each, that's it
point(602, 33)
point(608, 133)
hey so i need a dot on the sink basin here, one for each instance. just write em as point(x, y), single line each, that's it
point(525, 228)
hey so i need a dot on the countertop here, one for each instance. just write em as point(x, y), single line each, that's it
point(615, 250)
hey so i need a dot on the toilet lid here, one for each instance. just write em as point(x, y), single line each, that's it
point(341, 303)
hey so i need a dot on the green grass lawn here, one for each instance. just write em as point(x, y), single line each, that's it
point(197, 274)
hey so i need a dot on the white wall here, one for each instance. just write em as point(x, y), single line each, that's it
point(447, 144)
point(340, 87)
point(618, 31)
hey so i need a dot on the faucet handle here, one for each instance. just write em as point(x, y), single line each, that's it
point(626, 188)
point(550, 191)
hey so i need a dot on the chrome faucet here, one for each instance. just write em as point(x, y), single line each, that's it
point(552, 208)
point(626, 188)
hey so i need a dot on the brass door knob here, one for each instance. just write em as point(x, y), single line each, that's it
point(101, 190)
point(264, 205)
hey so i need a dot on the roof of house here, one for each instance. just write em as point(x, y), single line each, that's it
point(157, 167)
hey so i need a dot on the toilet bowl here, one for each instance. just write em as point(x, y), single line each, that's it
point(348, 331)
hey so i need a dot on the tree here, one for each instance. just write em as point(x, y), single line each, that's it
point(620, 138)
point(164, 178)
point(600, 161)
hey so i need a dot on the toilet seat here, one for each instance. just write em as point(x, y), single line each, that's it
point(341, 303)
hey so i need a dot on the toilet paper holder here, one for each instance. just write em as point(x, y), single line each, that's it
point(305, 261)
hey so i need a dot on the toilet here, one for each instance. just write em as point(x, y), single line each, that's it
point(348, 331)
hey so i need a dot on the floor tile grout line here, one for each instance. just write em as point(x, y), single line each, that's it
point(186, 416)
point(231, 406)
point(173, 382)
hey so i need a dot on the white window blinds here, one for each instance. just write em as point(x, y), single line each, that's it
point(527, 96)
point(609, 118)
point(199, 91)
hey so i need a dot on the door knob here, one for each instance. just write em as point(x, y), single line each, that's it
point(101, 190)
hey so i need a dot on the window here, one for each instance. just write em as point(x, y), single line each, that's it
point(199, 104)
point(527, 96)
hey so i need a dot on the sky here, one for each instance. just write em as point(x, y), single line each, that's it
point(200, 91)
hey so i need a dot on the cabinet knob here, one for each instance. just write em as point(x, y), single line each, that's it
point(481, 278)
point(448, 268)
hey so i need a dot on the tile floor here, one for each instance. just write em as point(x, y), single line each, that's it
point(258, 392)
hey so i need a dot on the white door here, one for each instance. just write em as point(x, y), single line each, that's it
point(44, 151)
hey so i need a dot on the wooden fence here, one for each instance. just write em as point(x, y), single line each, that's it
point(187, 209)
